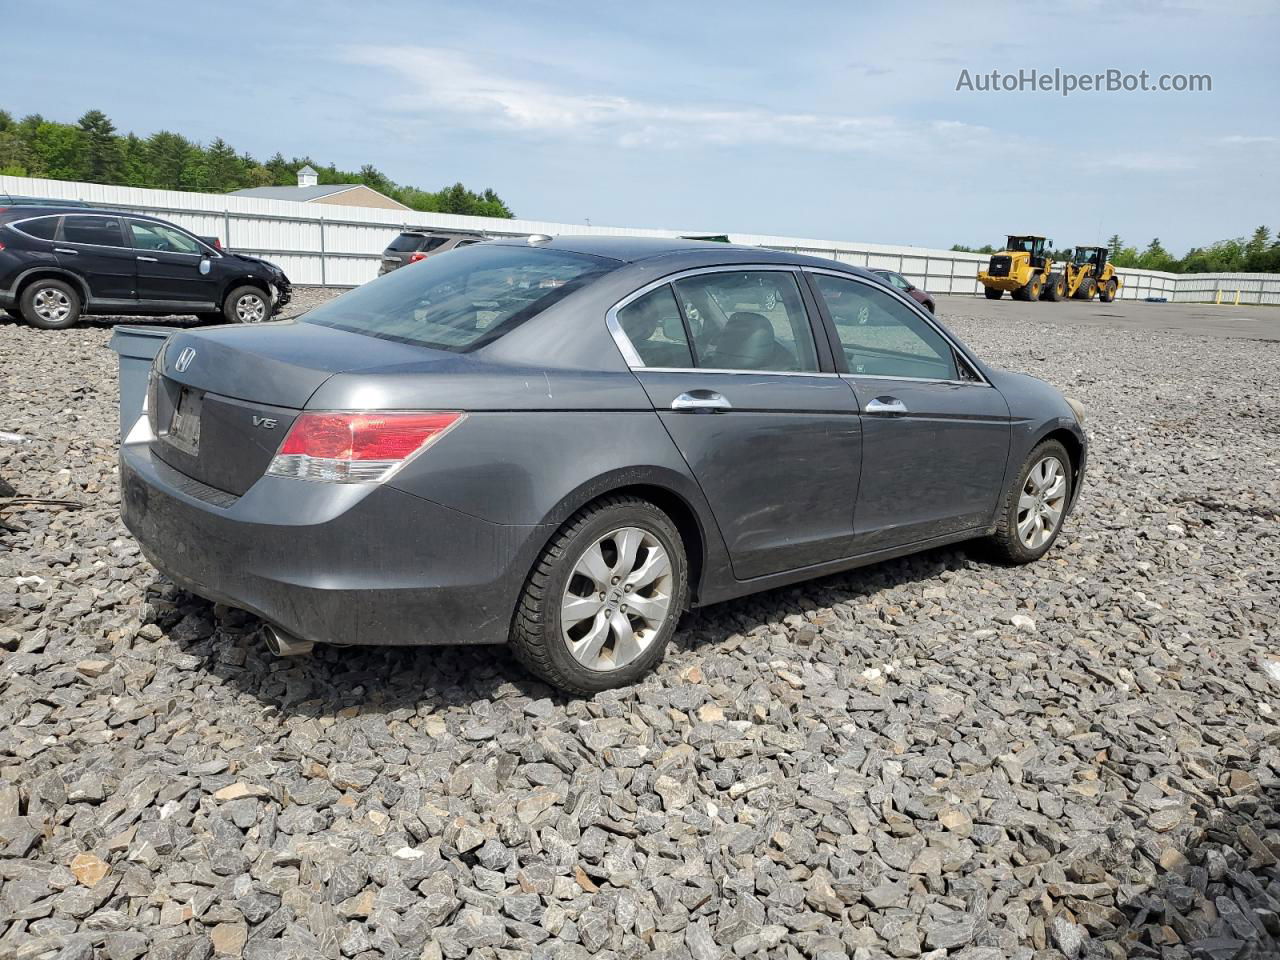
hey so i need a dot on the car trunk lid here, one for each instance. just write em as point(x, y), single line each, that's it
point(226, 397)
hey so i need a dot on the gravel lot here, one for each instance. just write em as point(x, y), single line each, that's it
point(933, 757)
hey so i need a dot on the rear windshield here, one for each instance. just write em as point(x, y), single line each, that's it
point(464, 299)
point(406, 242)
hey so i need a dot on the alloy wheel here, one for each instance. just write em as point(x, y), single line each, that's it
point(1040, 506)
point(251, 309)
point(617, 599)
point(51, 305)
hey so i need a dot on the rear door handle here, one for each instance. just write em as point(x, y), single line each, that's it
point(886, 405)
point(74, 253)
point(148, 259)
point(699, 401)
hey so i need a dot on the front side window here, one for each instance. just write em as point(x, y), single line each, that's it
point(899, 281)
point(463, 302)
point(42, 228)
point(652, 323)
point(882, 337)
point(157, 236)
point(748, 320)
point(82, 228)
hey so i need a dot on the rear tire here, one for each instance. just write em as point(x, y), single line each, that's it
point(1023, 531)
point(1108, 292)
point(574, 621)
point(247, 305)
point(993, 293)
point(50, 304)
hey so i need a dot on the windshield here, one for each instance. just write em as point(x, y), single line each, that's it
point(463, 299)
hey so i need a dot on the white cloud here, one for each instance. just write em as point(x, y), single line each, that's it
point(1239, 139)
point(434, 80)
point(1147, 162)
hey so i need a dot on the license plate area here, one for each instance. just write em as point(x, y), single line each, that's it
point(184, 426)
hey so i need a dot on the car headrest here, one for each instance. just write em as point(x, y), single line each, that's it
point(746, 342)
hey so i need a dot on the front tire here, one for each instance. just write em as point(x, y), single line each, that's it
point(1087, 288)
point(50, 305)
point(993, 293)
point(247, 305)
point(1034, 505)
point(1055, 288)
point(604, 598)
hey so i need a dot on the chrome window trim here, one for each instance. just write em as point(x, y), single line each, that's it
point(878, 376)
point(920, 312)
point(766, 373)
point(632, 357)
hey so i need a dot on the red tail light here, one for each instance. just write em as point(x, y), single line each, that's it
point(415, 257)
point(356, 447)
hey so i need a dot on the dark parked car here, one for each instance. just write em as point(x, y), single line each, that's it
point(414, 245)
point(57, 264)
point(906, 286)
point(565, 443)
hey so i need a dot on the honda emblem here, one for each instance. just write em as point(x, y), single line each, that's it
point(184, 359)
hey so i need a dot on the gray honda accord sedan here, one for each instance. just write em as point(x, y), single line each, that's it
point(564, 443)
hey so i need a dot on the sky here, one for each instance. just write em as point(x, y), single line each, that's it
point(837, 121)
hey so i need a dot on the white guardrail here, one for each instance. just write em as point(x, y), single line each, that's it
point(330, 245)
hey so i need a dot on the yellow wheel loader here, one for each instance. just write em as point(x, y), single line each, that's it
point(1024, 269)
point(1090, 273)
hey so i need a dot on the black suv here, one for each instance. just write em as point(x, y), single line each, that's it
point(57, 263)
point(414, 245)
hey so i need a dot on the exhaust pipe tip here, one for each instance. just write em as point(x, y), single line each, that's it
point(284, 644)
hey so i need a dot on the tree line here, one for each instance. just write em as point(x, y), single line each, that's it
point(91, 150)
point(1259, 253)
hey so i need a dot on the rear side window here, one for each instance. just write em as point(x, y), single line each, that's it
point(103, 231)
point(465, 301)
point(42, 228)
point(748, 320)
point(652, 323)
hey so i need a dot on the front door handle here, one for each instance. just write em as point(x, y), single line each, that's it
point(147, 259)
point(886, 405)
point(74, 253)
point(699, 401)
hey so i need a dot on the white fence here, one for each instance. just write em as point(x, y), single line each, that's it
point(340, 246)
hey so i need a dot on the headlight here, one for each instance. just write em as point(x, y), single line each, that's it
point(1078, 409)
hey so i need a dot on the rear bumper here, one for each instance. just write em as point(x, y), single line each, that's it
point(332, 563)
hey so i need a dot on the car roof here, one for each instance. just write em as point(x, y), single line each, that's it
point(19, 200)
point(441, 232)
point(52, 209)
point(636, 249)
